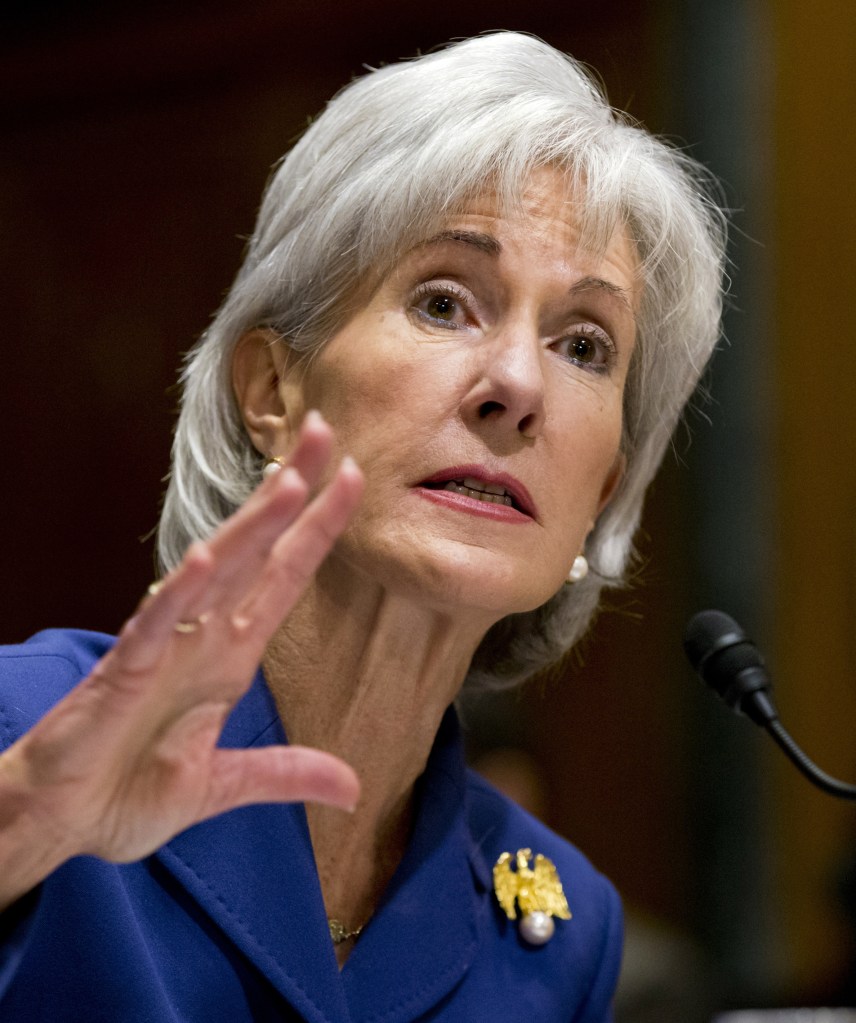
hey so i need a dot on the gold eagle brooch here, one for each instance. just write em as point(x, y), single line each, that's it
point(537, 892)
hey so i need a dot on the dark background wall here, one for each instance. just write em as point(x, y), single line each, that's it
point(135, 144)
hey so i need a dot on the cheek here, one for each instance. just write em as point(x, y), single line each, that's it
point(370, 420)
point(387, 390)
point(590, 457)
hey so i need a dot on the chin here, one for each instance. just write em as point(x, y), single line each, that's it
point(488, 585)
point(448, 573)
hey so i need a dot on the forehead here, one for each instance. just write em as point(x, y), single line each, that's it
point(548, 224)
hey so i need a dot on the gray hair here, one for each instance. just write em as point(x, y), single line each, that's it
point(395, 153)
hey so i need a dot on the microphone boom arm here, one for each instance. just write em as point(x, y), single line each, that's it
point(807, 766)
point(730, 663)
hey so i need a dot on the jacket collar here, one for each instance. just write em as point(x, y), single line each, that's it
point(429, 922)
point(252, 870)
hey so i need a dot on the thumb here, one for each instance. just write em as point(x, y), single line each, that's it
point(281, 774)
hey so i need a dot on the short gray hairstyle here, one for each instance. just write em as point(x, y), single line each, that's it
point(394, 154)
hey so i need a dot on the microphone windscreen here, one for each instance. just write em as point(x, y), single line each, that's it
point(707, 632)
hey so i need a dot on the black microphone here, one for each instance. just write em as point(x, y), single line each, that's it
point(730, 663)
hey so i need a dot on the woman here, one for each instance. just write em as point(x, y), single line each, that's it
point(475, 282)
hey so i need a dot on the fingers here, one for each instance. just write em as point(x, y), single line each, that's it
point(314, 448)
point(256, 565)
point(143, 638)
point(212, 573)
point(243, 543)
point(300, 550)
point(281, 774)
point(311, 455)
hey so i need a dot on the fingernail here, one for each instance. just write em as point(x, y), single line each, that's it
point(313, 418)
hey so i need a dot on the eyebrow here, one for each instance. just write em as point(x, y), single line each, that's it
point(599, 284)
point(483, 242)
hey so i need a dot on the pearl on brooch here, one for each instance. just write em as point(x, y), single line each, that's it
point(537, 928)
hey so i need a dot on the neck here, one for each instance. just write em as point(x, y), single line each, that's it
point(368, 679)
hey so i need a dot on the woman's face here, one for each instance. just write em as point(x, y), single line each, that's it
point(480, 390)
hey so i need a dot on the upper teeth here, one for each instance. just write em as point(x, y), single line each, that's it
point(480, 490)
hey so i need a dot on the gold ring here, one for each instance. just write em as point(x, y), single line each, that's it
point(185, 628)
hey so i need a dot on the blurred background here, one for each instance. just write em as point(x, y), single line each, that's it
point(135, 144)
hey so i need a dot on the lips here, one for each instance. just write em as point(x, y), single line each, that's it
point(480, 484)
point(479, 490)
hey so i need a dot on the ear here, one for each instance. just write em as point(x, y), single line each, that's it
point(258, 365)
point(612, 481)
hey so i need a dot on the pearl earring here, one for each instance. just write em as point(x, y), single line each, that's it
point(272, 465)
point(579, 569)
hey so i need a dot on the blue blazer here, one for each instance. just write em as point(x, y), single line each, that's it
point(226, 922)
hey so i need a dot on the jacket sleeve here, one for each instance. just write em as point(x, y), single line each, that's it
point(33, 677)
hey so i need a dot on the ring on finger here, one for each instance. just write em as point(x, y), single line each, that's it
point(185, 628)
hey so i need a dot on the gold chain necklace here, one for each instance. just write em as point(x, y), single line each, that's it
point(339, 933)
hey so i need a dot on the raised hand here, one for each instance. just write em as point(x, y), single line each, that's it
point(129, 758)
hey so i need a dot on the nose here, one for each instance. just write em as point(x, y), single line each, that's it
point(508, 389)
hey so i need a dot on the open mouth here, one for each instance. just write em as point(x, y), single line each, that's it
point(478, 490)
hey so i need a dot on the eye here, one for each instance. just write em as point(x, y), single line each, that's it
point(442, 305)
point(587, 346)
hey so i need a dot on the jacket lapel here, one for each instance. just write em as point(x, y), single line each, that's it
point(252, 870)
point(425, 935)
